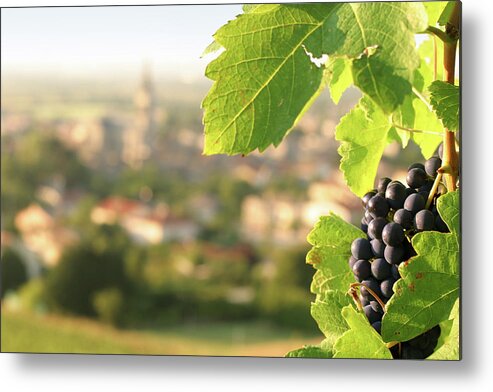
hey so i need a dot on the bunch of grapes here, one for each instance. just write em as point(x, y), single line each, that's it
point(393, 214)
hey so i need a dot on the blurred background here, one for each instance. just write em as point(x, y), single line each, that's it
point(117, 234)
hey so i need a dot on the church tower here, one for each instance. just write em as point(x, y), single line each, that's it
point(138, 139)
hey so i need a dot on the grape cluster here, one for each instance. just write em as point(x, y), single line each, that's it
point(393, 214)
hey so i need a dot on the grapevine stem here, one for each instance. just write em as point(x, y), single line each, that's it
point(435, 31)
point(450, 162)
point(434, 188)
point(371, 292)
point(412, 130)
point(435, 58)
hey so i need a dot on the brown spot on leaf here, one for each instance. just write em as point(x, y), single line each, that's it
point(411, 287)
point(419, 275)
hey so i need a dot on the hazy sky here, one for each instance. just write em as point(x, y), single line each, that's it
point(109, 39)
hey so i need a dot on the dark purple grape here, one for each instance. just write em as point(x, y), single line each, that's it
point(394, 254)
point(368, 217)
point(362, 270)
point(380, 269)
point(377, 325)
point(393, 234)
point(378, 247)
point(352, 260)
point(378, 206)
point(375, 228)
point(371, 315)
point(414, 203)
point(424, 195)
point(410, 191)
point(395, 272)
point(416, 165)
point(361, 249)
point(364, 300)
point(440, 224)
point(426, 187)
point(416, 177)
point(395, 195)
point(366, 198)
point(373, 284)
point(386, 287)
point(440, 150)
point(382, 184)
point(376, 306)
point(404, 218)
point(424, 220)
point(364, 225)
point(432, 165)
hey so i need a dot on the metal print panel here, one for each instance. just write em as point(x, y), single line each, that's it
point(274, 180)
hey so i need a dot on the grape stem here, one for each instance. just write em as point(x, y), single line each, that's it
point(353, 285)
point(434, 188)
point(436, 32)
point(450, 161)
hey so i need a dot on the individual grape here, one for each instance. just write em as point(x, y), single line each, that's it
point(432, 165)
point(394, 254)
point(375, 228)
point(377, 325)
point(364, 225)
point(395, 195)
point(417, 165)
point(386, 287)
point(368, 217)
point(375, 305)
point(424, 220)
point(440, 150)
point(362, 270)
point(404, 218)
point(426, 187)
point(378, 247)
point(424, 195)
point(395, 272)
point(371, 315)
point(440, 224)
point(380, 269)
point(361, 249)
point(378, 206)
point(416, 177)
point(410, 191)
point(382, 184)
point(364, 300)
point(393, 234)
point(414, 203)
point(366, 198)
point(373, 285)
point(352, 260)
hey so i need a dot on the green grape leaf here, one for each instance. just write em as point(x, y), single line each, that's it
point(447, 12)
point(363, 136)
point(382, 66)
point(327, 314)
point(429, 286)
point(213, 47)
point(427, 121)
point(310, 352)
point(266, 76)
point(341, 78)
point(445, 100)
point(434, 9)
point(331, 239)
point(448, 347)
point(361, 340)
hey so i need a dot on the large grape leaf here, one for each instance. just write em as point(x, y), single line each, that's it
point(449, 346)
point(331, 239)
point(270, 70)
point(445, 100)
point(265, 78)
point(363, 136)
point(382, 66)
point(361, 340)
point(429, 286)
point(327, 314)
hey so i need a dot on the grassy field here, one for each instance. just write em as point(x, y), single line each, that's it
point(22, 332)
